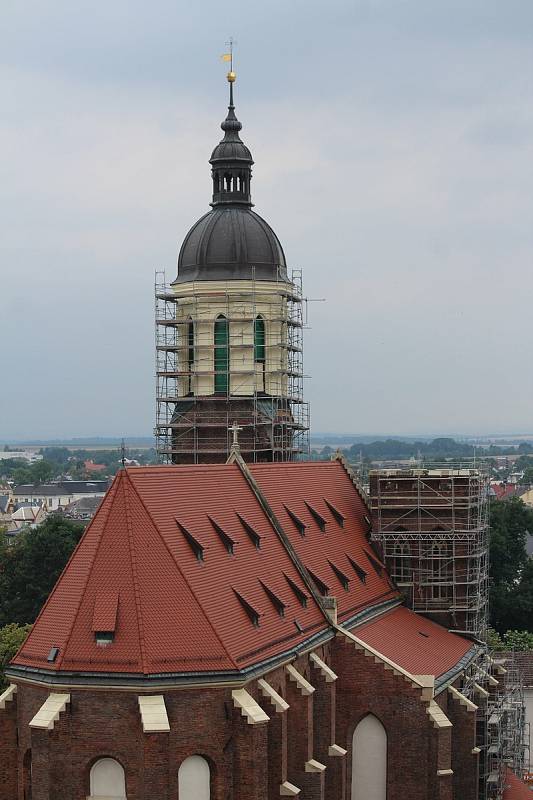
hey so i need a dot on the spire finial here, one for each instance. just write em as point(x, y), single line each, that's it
point(231, 76)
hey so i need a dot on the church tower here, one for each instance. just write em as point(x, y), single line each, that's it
point(229, 343)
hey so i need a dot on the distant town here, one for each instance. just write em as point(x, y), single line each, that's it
point(71, 477)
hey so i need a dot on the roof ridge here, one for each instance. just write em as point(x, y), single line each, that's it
point(133, 562)
point(280, 533)
point(113, 492)
point(341, 459)
point(176, 564)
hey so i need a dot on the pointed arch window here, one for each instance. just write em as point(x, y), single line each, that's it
point(259, 340)
point(369, 760)
point(221, 355)
point(401, 562)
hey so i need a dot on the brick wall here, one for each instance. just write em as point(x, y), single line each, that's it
point(365, 686)
point(8, 751)
point(247, 762)
point(464, 761)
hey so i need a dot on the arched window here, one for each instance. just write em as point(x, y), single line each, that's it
point(440, 570)
point(259, 340)
point(190, 354)
point(369, 760)
point(401, 562)
point(221, 355)
point(108, 780)
point(194, 779)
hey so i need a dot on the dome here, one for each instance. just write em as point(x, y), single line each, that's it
point(227, 243)
point(228, 150)
point(231, 242)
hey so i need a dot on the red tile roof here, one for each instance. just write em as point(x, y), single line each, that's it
point(301, 488)
point(418, 645)
point(205, 583)
point(515, 788)
point(503, 491)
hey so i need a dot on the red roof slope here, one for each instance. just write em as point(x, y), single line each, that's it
point(515, 789)
point(176, 613)
point(418, 645)
point(332, 554)
point(184, 568)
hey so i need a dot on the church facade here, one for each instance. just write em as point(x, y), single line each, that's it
point(227, 632)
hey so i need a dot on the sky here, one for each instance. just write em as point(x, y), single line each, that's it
point(393, 148)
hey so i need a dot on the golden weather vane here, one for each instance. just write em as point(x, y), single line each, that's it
point(229, 57)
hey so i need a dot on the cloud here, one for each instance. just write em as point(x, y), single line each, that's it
point(392, 144)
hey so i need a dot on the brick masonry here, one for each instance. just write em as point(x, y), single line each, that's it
point(248, 762)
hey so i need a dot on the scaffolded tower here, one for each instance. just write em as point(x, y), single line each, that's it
point(206, 382)
point(229, 329)
point(432, 526)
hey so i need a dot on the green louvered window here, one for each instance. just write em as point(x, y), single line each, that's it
point(259, 340)
point(221, 355)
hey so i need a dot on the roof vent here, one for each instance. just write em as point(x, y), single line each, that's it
point(298, 626)
point(318, 518)
point(193, 543)
point(52, 655)
point(226, 540)
point(252, 614)
point(344, 579)
point(299, 593)
point(278, 604)
point(339, 518)
point(300, 526)
point(359, 571)
point(322, 587)
point(378, 566)
point(252, 533)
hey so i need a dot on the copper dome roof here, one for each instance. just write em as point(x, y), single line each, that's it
point(231, 242)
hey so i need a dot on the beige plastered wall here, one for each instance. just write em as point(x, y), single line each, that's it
point(240, 302)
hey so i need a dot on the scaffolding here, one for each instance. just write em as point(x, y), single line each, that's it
point(502, 732)
point(431, 523)
point(264, 398)
point(432, 526)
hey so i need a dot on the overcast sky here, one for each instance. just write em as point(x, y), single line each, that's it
point(393, 142)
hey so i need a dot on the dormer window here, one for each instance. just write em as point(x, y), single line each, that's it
point(105, 617)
